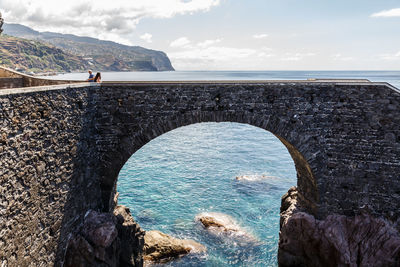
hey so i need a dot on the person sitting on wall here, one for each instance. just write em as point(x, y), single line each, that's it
point(91, 76)
point(97, 79)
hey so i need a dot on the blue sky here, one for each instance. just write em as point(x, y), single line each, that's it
point(233, 34)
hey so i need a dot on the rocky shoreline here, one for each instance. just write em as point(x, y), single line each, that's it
point(162, 248)
point(337, 240)
point(224, 226)
point(106, 239)
point(115, 239)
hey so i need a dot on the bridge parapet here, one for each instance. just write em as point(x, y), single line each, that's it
point(13, 79)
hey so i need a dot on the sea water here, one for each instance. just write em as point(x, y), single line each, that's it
point(192, 170)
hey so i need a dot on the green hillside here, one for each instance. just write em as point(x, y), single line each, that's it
point(35, 56)
point(99, 54)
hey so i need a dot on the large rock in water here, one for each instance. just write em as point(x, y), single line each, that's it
point(218, 221)
point(335, 241)
point(221, 224)
point(160, 247)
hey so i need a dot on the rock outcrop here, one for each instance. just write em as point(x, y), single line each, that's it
point(220, 224)
point(96, 244)
point(130, 236)
point(160, 247)
point(218, 221)
point(335, 241)
point(289, 205)
point(106, 239)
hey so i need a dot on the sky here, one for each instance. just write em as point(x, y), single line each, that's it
point(233, 34)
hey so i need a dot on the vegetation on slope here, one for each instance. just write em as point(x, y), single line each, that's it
point(34, 56)
point(99, 54)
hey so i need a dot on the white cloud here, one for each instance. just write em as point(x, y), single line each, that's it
point(296, 56)
point(213, 57)
point(265, 52)
point(205, 54)
point(340, 57)
point(184, 42)
point(108, 19)
point(260, 36)
point(265, 55)
point(214, 53)
point(266, 49)
point(395, 12)
point(390, 57)
point(207, 43)
point(146, 37)
point(180, 42)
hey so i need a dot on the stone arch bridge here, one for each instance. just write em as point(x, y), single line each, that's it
point(62, 147)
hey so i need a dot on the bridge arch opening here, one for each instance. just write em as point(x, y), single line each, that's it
point(297, 145)
point(169, 181)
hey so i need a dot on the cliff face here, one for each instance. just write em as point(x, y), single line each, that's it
point(99, 54)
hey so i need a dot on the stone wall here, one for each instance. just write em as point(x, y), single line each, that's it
point(45, 176)
point(62, 147)
point(14, 79)
point(7, 73)
point(11, 83)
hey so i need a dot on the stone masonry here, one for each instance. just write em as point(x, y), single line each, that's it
point(46, 184)
point(13, 79)
point(62, 147)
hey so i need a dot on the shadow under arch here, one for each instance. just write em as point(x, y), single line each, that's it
point(282, 129)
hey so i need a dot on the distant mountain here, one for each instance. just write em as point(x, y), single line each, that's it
point(101, 55)
point(38, 57)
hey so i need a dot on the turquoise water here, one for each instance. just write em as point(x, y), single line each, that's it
point(193, 169)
